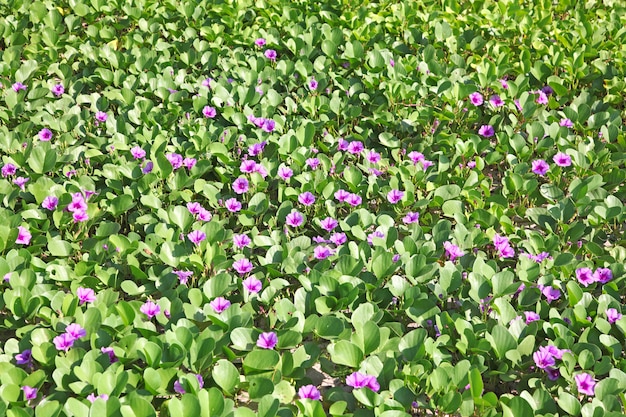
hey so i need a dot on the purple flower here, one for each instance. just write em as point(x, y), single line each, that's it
point(21, 182)
point(585, 276)
point(531, 316)
point(45, 134)
point(194, 207)
point(8, 169)
point(63, 342)
point(80, 216)
point(148, 168)
point(504, 84)
point(562, 159)
point(361, 380)
point(376, 233)
point(92, 397)
point(209, 112)
point(486, 131)
point(76, 331)
point(585, 383)
point(58, 90)
point(452, 251)
point(183, 276)
point(268, 125)
point(542, 99)
point(256, 148)
point(602, 275)
point(338, 238)
point(294, 219)
point(233, 205)
point(243, 266)
point(137, 152)
point(240, 185)
point(341, 195)
point(241, 240)
point(306, 198)
point(476, 98)
point(355, 147)
point(354, 200)
point(18, 86)
point(260, 42)
point(285, 172)
point(543, 358)
point(496, 101)
point(540, 167)
point(196, 236)
point(267, 340)
point(101, 117)
point(373, 157)
point(329, 224)
point(271, 54)
point(252, 285)
point(313, 84)
point(247, 166)
point(50, 202)
point(150, 309)
point(553, 373)
point(24, 358)
point(322, 252)
point(309, 392)
point(411, 217)
point(85, 295)
point(178, 387)
point(566, 123)
point(416, 157)
point(30, 393)
point(219, 305)
point(612, 315)
point(312, 163)
point(175, 159)
point(23, 236)
point(395, 196)
point(551, 293)
point(110, 353)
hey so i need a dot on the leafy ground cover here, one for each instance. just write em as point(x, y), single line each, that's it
point(293, 209)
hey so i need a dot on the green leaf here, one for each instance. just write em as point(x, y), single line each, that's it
point(260, 360)
point(121, 204)
point(59, 248)
point(501, 340)
point(476, 383)
point(226, 375)
point(329, 327)
point(568, 403)
point(346, 353)
point(42, 159)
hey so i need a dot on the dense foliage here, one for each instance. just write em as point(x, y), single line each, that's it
point(283, 208)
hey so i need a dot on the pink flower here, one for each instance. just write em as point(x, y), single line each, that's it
point(562, 159)
point(322, 252)
point(309, 392)
point(63, 342)
point(411, 218)
point(329, 224)
point(45, 134)
point(361, 380)
point(80, 216)
point(243, 266)
point(585, 383)
point(603, 275)
point(256, 148)
point(189, 163)
point(341, 195)
point(355, 147)
point(101, 117)
point(543, 358)
point(354, 200)
point(137, 152)
point(183, 276)
point(531, 316)
point(193, 207)
point(219, 305)
point(267, 340)
point(306, 199)
point(30, 393)
point(285, 172)
point(8, 169)
point(313, 163)
point(542, 99)
point(476, 98)
point(18, 86)
point(260, 42)
point(394, 196)
point(566, 123)
point(76, 331)
point(294, 219)
point(175, 160)
point(209, 112)
point(416, 157)
point(204, 215)
point(240, 241)
point(21, 182)
point(612, 315)
point(150, 309)
point(271, 54)
point(452, 251)
point(551, 293)
point(504, 84)
point(486, 131)
point(85, 295)
point(540, 167)
point(585, 276)
point(338, 238)
point(252, 285)
point(50, 202)
point(496, 101)
point(110, 353)
point(240, 185)
point(371, 236)
point(92, 397)
point(23, 236)
point(233, 205)
point(313, 84)
point(373, 157)
point(247, 166)
point(196, 236)
point(58, 90)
